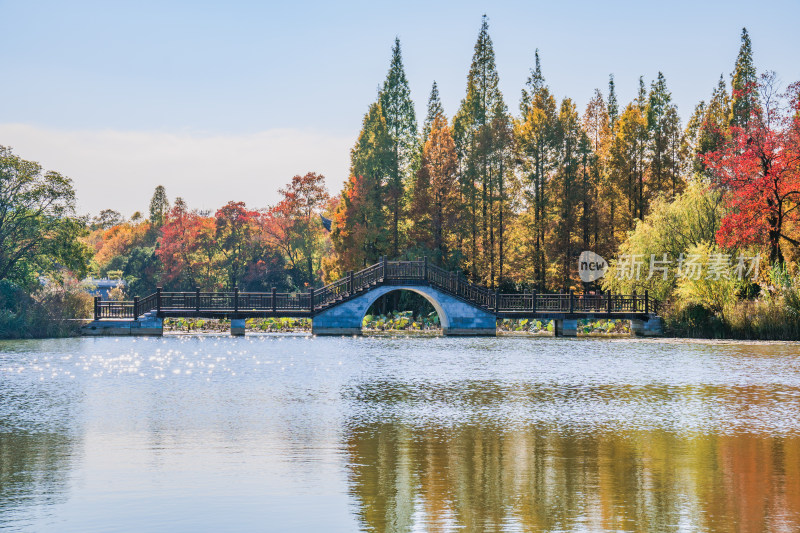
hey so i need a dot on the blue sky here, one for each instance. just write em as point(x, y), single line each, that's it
point(222, 101)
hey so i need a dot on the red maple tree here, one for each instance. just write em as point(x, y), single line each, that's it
point(759, 168)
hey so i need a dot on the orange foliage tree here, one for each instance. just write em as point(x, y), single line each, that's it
point(434, 204)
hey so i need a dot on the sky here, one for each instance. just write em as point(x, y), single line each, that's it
point(222, 101)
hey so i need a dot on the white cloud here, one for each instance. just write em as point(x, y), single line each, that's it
point(120, 169)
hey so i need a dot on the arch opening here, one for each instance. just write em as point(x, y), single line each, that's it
point(404, 309)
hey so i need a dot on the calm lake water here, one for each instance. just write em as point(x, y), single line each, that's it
point(294, 433)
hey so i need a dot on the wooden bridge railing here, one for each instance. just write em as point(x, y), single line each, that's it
point(355, 283)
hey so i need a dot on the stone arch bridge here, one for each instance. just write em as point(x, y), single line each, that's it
point(464, 308)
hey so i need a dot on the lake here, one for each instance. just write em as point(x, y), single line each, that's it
point(284, 432)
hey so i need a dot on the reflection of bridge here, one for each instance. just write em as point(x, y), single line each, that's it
point(464, 308)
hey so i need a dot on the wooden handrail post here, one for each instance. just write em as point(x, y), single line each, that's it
point(351, 287)
point(236, 299)
point(425, 268)
point(385, 269)
point(608, 304)
point(135, 307)
point(158, 300)
point(311, 299)
point(274, 300)
point(533, 298)
point(571, 302)
point(96, 307)
point(197, 300)
point(496, 301)
point(646, 302)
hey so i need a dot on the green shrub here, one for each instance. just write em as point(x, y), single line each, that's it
point(51, 312)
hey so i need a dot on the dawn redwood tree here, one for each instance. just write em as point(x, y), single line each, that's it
point(759, 170)
point(707, 130)
point(356, 238)
point(401, 124)
point(628, 162)
point(434, 204)
point(434, 110)
point(537, 149)
point(602, 200)
point(613, 104)
point(663, 123)
point(159, 206)
point(744, 85)
point(480, 152)
point(567, 186)
point(360, 232)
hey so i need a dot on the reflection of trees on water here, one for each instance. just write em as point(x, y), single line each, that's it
point(481, 478)
point(34, 472)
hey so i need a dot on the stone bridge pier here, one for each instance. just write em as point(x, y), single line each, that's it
point(456, 316)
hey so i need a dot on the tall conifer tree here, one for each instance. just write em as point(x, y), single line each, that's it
point(613, 105)
point(401, 123)
point(596, 124)
point(536, 141)
point(568, 186)
point(159, 206)
point(480, 172)
point(708, 129)
point(434, 110)
point(744, 85)
point(662, 123)
point(361, 233)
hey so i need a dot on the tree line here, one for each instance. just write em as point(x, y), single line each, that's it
point(510, 199)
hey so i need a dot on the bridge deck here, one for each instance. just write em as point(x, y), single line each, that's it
point(236, 304)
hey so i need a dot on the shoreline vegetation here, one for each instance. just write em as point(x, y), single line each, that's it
point(508, 199)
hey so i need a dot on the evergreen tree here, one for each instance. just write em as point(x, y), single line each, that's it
point(537, 143)
point(628, 162)
point(159, 206)
point(708, 129)
point(675, 157)
point(596, 124)
point(434, 206)
point(435, 109)
point(533, 86)
point(361, 233)
point(663, 123)
point(744, 85)
point(568, 187)
point(641, 96)
point(401, 123)
point(613, 105)
point(480, 172)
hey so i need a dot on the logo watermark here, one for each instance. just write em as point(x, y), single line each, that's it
point(716, 266)
point(591, 266)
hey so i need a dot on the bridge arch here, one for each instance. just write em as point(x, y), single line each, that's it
point(440, 311)
point(456, 316)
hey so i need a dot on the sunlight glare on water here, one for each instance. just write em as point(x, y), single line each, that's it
point(297, 433)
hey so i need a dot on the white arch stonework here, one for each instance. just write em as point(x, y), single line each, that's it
point(456, 316)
